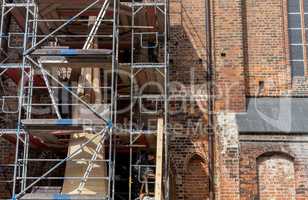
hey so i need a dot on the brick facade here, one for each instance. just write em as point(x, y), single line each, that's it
point(285, 155)
point(188, 140)
point(229, 55)
point(196, 179)
point(226, 157)
point(266, 45)
point(7, 151)
point(276, 178)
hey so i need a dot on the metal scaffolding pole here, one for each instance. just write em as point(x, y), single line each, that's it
point(161, 68)
point(31, 65)
point(75, 153)
point(20, 113)
point(26, 91)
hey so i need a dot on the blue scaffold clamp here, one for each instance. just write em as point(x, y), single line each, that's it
point(109, 124)
point(66, 88)
point(14, 197)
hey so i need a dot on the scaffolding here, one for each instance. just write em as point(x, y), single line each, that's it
point(95, 73)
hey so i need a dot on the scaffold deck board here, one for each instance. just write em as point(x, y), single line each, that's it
point(81, 53)
point(43, 196)
point(57, 124)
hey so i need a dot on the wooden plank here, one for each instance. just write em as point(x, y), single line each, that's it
point(90, 78)
point(159, 160)
point(77, 169)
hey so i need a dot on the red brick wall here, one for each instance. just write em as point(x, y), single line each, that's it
point(266, 54)
point(7, 155)
point(35, 169)
point(188, 98)
point(196, 179)
point(7, 149)
point(182, 148)
point(251, 39)
point(276, 178)
point(285, 154)
point(187, 46)
point(266, 45)
point(251, 49)
point(226, 158)
point(15, 54)
point(228, 51)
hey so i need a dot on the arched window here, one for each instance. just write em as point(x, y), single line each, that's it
point(196, 179)
point(276, 180)
point(298, 35)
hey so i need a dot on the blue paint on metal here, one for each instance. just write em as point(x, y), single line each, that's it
point(19, 127)
point(14, 197)
point(66, 88)
point(61, 197)
point(68, 52)
point(64, 122)
point(109, 124)
point(71, 20)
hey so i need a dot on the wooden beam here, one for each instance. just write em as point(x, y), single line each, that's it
point(159, 160)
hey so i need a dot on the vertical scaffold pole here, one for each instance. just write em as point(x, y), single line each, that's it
point(131, 102)
point(20, 103)
point(166, 100)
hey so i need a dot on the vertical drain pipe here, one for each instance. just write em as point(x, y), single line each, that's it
point(210, 94)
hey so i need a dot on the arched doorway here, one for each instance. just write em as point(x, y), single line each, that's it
point(276, 180)
point(196, 179)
